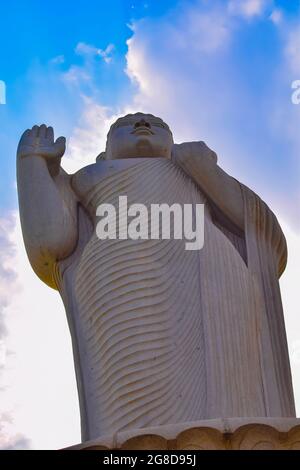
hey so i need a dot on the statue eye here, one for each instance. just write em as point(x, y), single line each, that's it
point(147, 124)
point(137, 124)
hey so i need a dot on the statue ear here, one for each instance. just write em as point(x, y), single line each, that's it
point(101, 156)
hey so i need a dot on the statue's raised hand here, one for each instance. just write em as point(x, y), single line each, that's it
point(39, 141)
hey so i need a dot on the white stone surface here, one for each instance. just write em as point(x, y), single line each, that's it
point(160, 335)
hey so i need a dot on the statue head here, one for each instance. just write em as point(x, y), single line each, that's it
point(138, 135)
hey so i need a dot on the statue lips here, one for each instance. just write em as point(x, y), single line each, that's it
point(142, 130)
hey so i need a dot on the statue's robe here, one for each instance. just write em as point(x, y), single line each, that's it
point(162, 335)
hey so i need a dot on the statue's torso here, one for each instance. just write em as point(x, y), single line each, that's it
point(162, 331)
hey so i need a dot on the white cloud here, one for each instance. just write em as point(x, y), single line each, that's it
point(88, 50)
point(284, 114)
point(293, 50)
point(247, 8)
point(60, 59)
point(203, 32)
point(8, 275)
point(76, 75)
point(290, 288)
point(38, 399)
point(88, 138)
point(183, 79)
point(9, 439)
point(85, 74)
point(276, 16)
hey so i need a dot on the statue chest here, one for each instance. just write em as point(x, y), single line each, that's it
point(142, 181)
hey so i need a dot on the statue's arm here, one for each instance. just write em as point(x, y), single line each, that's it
point(47, 208)
point(200, 163)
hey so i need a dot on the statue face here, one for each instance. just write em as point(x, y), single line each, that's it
point(139, 135)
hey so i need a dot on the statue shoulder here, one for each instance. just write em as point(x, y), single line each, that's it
point(84, 179)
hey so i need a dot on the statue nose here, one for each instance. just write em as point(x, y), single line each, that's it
point(142, 123)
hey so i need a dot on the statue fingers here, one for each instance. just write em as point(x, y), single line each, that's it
point(35, 131)
point(42, 131)
point(26, 136)
point(60, 146)
point(50, 134)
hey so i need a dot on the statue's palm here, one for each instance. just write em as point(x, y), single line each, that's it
point(39, 141)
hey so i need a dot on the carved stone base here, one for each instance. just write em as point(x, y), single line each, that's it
point(213, 434)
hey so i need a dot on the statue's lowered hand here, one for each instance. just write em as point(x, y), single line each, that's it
point(39, 141)
point(185, 153)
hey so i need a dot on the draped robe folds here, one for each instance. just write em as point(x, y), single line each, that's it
point(162, 335)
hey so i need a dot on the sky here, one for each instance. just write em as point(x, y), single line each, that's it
point(218, 71)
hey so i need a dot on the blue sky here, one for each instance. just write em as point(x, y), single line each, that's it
point(32, 34)
point(215, 70)
point(38, 46)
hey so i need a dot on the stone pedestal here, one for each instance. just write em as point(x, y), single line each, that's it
point(213, 434)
